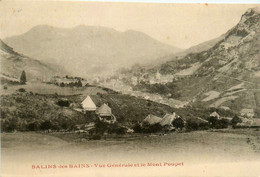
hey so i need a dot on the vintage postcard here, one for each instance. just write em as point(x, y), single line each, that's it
point(104, 89)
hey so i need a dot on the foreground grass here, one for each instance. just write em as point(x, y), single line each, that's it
point(236, 143)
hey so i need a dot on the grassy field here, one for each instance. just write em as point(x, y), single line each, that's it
point(203, 152)
point(43, 88)
point(235, 144)
point(43, 106)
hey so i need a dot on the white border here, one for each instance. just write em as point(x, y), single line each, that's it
point(181, 1)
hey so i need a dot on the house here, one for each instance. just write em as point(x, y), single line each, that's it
point(88, 104)
point(105, 114)
point(249, 113)
point(200, 120)
point(215, 114)
point(167, 119)
point(104, 110)
point(152, 119)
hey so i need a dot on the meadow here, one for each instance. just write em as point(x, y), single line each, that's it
point(193, 148)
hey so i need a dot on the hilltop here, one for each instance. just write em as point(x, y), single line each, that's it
point(13, 63)
point(87, 50)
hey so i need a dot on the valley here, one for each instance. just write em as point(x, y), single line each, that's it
point(75, 97)
point(232, 61)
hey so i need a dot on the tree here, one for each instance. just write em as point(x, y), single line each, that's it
point(212, 121)
point(63, 103)
point(46, 125)
point(33, 126)
point(191, 125)
point(154, 128)
point(235, 120)
point(222, 123)
point(23, 78)
point(137, 128)
point(79, 84)
point(178, 123)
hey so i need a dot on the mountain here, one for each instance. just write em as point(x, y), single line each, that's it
point(13, 63)
point(201, 47)
point(226, 75)
point(179, 55)
point(89, 49)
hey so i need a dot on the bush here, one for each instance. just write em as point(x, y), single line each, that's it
point(137, 128)
point(79, 83)
point(178, 123)
point(23, 78)
point(147, 128)
point(155, 128)
point(9, 125)
point(21, 90)
point(203, 126)
point(62, 84)
point(191, 125)
point(212, 121)
point(33, 126)
point(222, 123)
point(95, 137)
point(120, 130)
point(101, 127)
point(235, 120)
point(63, 103)
point(46, 125)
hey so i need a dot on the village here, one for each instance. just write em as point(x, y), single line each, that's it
point(98, 111)
point(102, 117)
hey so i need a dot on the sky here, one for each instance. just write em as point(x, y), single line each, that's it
point(180, 25)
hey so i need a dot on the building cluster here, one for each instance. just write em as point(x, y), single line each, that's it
point(103, 112)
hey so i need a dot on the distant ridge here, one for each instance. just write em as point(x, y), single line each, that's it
point(13, 63)
point(89, 49)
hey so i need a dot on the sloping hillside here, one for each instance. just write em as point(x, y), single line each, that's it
point(226, 75)
point(89, 49)
point(201, 47)
point(13, 63)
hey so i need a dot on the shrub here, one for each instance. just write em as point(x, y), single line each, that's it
point(95, 137)
point(66, 125)
point(79, 83)
point(33, 126)
point(9, 126)
point(63, 103)
point(62, 84)
point(235, 120)
point(222, 123)
point(203, 126)
point(155, 128)
point(178, 123)
point(23, 78)
point(191, 125)
point(120, 130)
point(101, 127)
point(212, 121)
point(137, 128)
point(21, 90)
point(46, 125)
point(147, 128)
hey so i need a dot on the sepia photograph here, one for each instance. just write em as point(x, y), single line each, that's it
point(105, 89)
